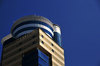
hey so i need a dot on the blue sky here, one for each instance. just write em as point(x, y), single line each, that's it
point(79, 21)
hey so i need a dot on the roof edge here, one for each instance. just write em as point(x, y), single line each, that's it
point(6, 38)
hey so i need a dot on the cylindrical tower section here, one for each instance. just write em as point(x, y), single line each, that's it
point(28, 23)
point(57, 34)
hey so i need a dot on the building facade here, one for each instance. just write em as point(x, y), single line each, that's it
point(33, 41)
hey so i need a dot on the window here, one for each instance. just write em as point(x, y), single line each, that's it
point(42, 62)
point(52, 44)
point(52, 50)
point(42, 42)
point(43, 56)
point(42, 36)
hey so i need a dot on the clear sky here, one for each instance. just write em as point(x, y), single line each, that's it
point(79, 21)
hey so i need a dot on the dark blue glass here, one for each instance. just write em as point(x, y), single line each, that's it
point(43, 56)
point(42, 62)
point(57, 38)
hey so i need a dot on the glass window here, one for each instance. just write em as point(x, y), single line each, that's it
point(42, 62)
point(52, 44)
point(42, 36)
point(52, 50)
point(42, 42)
point(43, 56)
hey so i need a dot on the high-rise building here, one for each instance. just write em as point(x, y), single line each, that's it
point(33, 41)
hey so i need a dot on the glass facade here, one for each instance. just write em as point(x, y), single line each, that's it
point(30, 59)
point(35, 58)
point(28, 26)
point(43, 59)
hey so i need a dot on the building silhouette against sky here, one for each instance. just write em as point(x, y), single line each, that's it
point(33, 41)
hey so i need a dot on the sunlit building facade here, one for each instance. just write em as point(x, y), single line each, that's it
point(33, 41)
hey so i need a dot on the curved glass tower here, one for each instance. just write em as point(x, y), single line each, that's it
point(27, 24)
